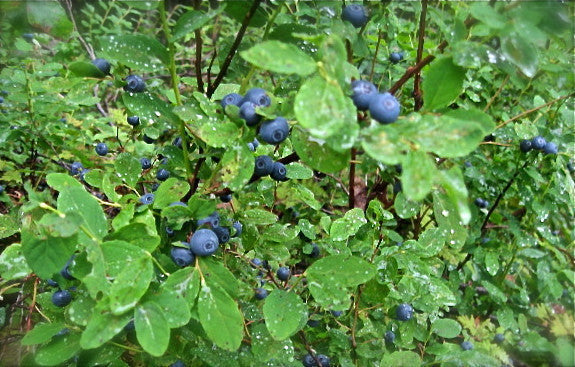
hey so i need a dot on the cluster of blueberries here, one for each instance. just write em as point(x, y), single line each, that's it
point(538, 143)
point(270, 131)
point(383, 107)
point(62, 297)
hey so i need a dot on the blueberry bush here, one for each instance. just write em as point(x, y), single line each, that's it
point(286, 183)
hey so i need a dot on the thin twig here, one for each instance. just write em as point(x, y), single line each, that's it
point(523, 114)
point(351, 197)
point(86, 45)
point(417, 94)
point(234, 48)
point(199, 45)
point(497, 93)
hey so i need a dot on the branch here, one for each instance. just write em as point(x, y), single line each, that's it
point(351, 197)
point(523, 114)
point(234, 48)
point(198, 61)
point(86, 45)
point(417, 95)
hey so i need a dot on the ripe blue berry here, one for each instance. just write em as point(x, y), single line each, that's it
point(146, 163)
point(274, 131)
point(182, 256)
point(162, 174)
point(336, 313)
point(102, 149)
point(103, 65)
point(283, 273)
point(309, 361)
point(466, 345)
point(238, 227)
point(133, 120)
point(255, 262)
point(52, 283)
point(525, 145)
point(212, 220)
point(278, 172)
point(28, 36)
point(481, 203)
point(550, 148)
point(258, 97)
point(204, 242)
point(169, 232)
point(251, 147)
point(148, 140)
point(1, 99)
point(232, 98)
point(134, 84)
point(323, 360)
point(404, 312)
point(65, 272)
point(384, 108)
point(263, 165)
point(61, 298)
point(499, 338)
point(355, 14)
point(538, 142)
point(248, 113)
point(226, 198)
point(147, 199)
point(178, 363)
point(362, 93)
point(177, 142)
point(260, 293)
point(255, 143)
point(389, 337)
point(315, 251)
point(223, 234)
point(76, 168)
point(395, 57)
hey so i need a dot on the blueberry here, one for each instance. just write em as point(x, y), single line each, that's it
point(213, 220)
point(283, 273)
point(404, 312)
point(538, 142)
point(384, 108)
point(309, 361)
point(148, 140)
point(251, 147)
point(169, 232)
point(525, 145)
point(130, 326)
point(336, 313)
point(146, 163)
point(155, 186)
point(134, 84)
point(177, 142)
point(52, 283)
point(76, 168)
point(258, 97)
point(162, 174)
point(315, 251)
point(489, 138)
point(204, 242)
point(65, 272)
point(133, 120)
point(313, 323)
point(355, 14)
point(260, 293)
point(389, 337)
point(61, 298)
point(255, 143)
point(481, 203)
point(323, 360)
point(147, 199)
point(570, 167)
point(278, 172)
point(263, 165)
point(256, 262)
point(248, 113)
point(102, 149)
point(223, 234)
point(103, 65)
point(28, 36)
point(362, 93)
point(396, 57)
point(178, 363)
point(63, 119)
point(2, 189)
point(550, 148)
point(499, 338)
point(226, 198)
point(274, 131)
point(238, 227)
point(182, 256)
point(466, 345)
point(232, 98)
point(1, 99)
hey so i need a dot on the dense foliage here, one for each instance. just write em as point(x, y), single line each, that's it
point(141, 226)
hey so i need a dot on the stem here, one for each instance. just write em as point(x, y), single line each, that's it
point(523, 114)
point(496, 93)
point(417, 94)
point(175, 85)
point(351, 200)
point(86, 45)
point(379, 37)
point(199, 44)
point(234, 48)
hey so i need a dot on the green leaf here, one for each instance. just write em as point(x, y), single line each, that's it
point(280, 232)
point(343, 228)
point(265, 347)
point(142, 235)
point(259, 217)
point(85, 69)
point(488, 15)
point(384, 143)
point(280, 57)
point(442, 83)
point(130, 285)
point(334, 59)
point(446, 328)
point(329, 115)
point(332, 278)
point(401, 359)
point(170, 191)
point(128, 168)
point(9, 224)
point(217, 275)
point(136, 51)
point(219, 134)
point(154, 113)
point(417, 175)
point(47, 255)
point(190, 21)
point(185, 283)
point(306, 195)
point(45, 14)
point(234, 169)
point(454, 185)
point(520, 52)
point(430, 243)
point(41, 333)
point(449, 220)
point(174, 306)
point(58, 350)
point(298, 171)
point(220, 318)
point(102, 326)
point(152, 330)
point(492, 263)
point(13, 263)
point(316, 153)
point(404, 207)
point(282, 324)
